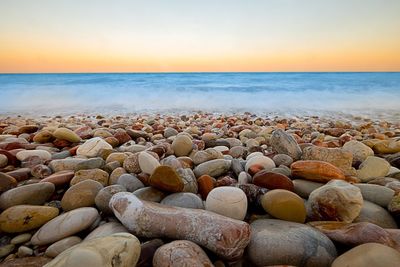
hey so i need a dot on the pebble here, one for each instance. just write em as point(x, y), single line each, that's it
point(24, 251)
point(359, 150)
point(92, 174)
point(6, 182)
point(106, 229)
point(199, 226)
point(25, 154)
point(147, 252)
point(316, 171)
point(58, 247)
point(284, 143)
point(377, 194)
point(303, 188)
point(7, 249)
point(130, 182)
point(91, 148)
point(80, 195)
point(282, 159)
point(59, 178)
point(288, 243)
point(20, 239)
point(284, 205)
point(272, 180)
point(66, 134)
point(3, 161)
point(182, 145)
point(165, 178)
point(183, 200)
point(214, 168)
point(371, 168)
point(147, 162)
point(228, 201)
point(375, 214)
point(103, 196)
point(149, 194)
point(335, 201)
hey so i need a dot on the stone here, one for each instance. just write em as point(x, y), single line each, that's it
point(20, 239)
point(284, 143)
point(265, 163)
point(282, 159)
point(41, 171)
point(80, 195)
point(117, 156)
point(67, 224)
point(92, 163)
point(359, 150)
point(271, 180)
point(6, 182)
point(92, 174)
point(181, 253)
point(224, 236)
point(182, 145)
point(316, 171)
point(115, 174)
point(66, 134)
point(43, 137)
point(106, 230)
point(91, 148)
point(121, 249)
point(6, 250)
point(147, 162)
point(371, 168)
point(375, 214)
point(214, 168)
point(37, 261)
point(335, 156)
point(335, 201)
point(387, 147)
point(206, 155)
point(394, 205)
point(24, 251)
point(167, 179)
point(288, 243)
point(104, 195)
point(3, 161)
point(147, 252)
point(25, 154)
point(168, 132)
point(130, 182)
point(58, 247)
point(33, 194)
point(59, 178)
point(303, 188)
point(183, 200)
point(205, 184)
point(23, 218)
point(57, 165)
point(369, 255)
point(228, 201)
point(149, 194)
point(284, 205)
point(377, 194)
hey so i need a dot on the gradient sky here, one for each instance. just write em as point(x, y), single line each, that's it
point(206, 35)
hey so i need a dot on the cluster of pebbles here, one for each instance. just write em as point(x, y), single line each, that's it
point(199, 190)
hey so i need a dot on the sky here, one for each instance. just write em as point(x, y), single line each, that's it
point(199, 36)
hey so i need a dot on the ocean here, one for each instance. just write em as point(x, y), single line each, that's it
point(271, 93)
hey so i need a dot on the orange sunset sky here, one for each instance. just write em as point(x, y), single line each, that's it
point(208, 35)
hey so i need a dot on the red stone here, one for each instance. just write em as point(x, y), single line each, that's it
point(205, 184)
point(271, 180)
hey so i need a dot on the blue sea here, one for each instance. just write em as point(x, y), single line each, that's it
point(272, 93)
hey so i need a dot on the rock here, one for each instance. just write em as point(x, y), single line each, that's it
point(115, 174)
point(182, 145)
point(37, 261)
point(372, 167)
point(59, 178)
point(25, 154)
point(147, 163)
point(91, 148)
point(104, 195)
point(20, 239)
point(183, 200)
point(58, 247)
point(205, 184)
point(149, 194)
point(67, 224)
point(6, 182)
point(23, 218)
point(64, 164)
point(317, 171)
point(377, 194)
point(263, 162)
point(335, 156)
point(121, 249)
point(206, 155)
point(167, 179)
point(93, 174)
point(147, 252)
point(284, 143)
point(303, 188)
point(355, 234)
point(93, 163)
point(394, 205)
point(282, 159)
point(6, 250)
point(40, 171)
point(66, 134)
point(24, 251)
point(181, 253)
point(228, 201)
point(168, 132)
point(33, 194)
point(130, 182)
point(335, 201)
point(43, 137)
point(359, 150)
point(375, 214)
point(369, 255)
point(80, 195)
point(387, 147)
point(205, 228)
point(288, 243)
point(3, 161)
point(106, 230)
point(214, 168)
point(284, 205)
point(271, 180)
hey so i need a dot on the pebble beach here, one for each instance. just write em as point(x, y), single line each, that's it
point(199, 189)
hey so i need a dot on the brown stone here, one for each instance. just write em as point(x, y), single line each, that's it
point(167, 179)
point(37, 261)
point(272, 180)
point(6, 182)
point(59, 178)
point(318, 171)
point(205, 184)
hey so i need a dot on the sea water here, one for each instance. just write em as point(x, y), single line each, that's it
point(273, 93)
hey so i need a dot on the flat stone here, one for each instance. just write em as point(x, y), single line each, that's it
point(60, 246)
point(23, 218)
point(25, 154)
point(92, 174)
point(359, 150)
point(284, 205)
point(303, 188)
point(67, 224)
point(91, 148)
point(377, 194)
point(66, 134)
point(375, 214)
point(288, 243)
point(228, 201)
point(80, 195)
point(57, 165)
point(369, 255)
point(59, 178)
point(183, 200)
point(43, 137)
point(282, 159)
point(372, 167)
point(206, 155)
point(106, 230)
point(214, 168)
point(335, 201)
point(33, 194)
point(284, 143)
point(93, 163)
point(387, 147)
point(316, 171)
point(104, 195)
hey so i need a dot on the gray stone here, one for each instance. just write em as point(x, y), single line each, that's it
point(284, 143)
point(184, 200)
